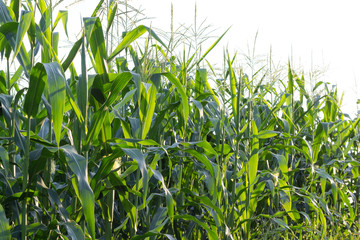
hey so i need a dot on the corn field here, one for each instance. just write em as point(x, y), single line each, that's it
point(134, 141)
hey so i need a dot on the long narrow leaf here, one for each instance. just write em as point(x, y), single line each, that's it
point(57, 94)
point(78, 166)
point(184, 98)
point(22, 29)
point(36, 88)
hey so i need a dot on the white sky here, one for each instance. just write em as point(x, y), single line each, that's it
point(315, 34)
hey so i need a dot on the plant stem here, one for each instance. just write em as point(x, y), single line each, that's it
point(12, 127)
point(25, 181)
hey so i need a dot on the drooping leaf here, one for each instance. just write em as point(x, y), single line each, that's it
point(9, 30)
point(211, 234)
point(168, 196)
point(74, 230)
point(131, 37)
point(63, 15)
point(139, 157)
point(128, 39)
point(78, 166)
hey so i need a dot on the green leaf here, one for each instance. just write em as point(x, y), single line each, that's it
point(128, 39)
point(204, 160)
point(4, 13)
point(95, 37)
point(36, 87)
point(45, 42)
point(2, 82)
point(74, 230)
point(168, 196)
point(4, 225)
point(210, 48)
point(254, 159)
point(9, 30)
point(74, 50)
point(63, 15)
point(55, 42)
point(82, 90)
point(15, 5)
point(290, 88)
point(283, 164)
point(211, 234)
point(281, 223)
point(57, 93)
point(234, 100)
point(79, 167)
point(74, 106)
point(22, 29)
point(98, 6)
point(111, 15)
point(184, 100)
point(125, 100)
point(4, 156)
point(118, 84)
point(138, 156)
point(149, 111)
point(265, 134)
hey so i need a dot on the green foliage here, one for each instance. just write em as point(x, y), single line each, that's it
point(144, 144)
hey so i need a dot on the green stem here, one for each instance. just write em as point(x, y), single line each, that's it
point(109, 221)
point(8, 76)
point(25, 181)
point(12, 127)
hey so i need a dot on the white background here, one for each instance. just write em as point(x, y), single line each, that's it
point(314, 35)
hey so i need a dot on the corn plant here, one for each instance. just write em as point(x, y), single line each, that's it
point(141, 143)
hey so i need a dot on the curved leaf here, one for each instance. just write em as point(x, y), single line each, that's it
point(22, 29)
point(74, 50)
point(129, 38)
point(184, 99)
point(168, 196)
point(63, 15)
point(212, 235)
point(138, 156)
point(78, 166)
point(74, 230)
